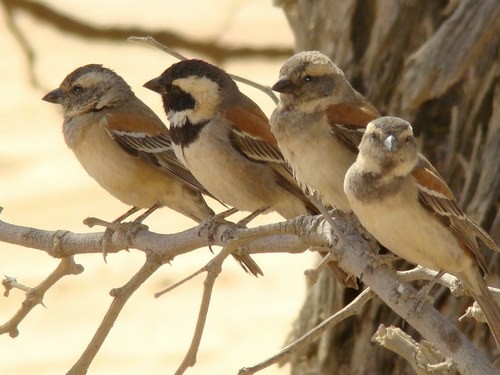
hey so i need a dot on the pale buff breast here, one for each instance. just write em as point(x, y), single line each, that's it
point(411, 232)
point(132, 181)
point(226, 173)
point(319, 161)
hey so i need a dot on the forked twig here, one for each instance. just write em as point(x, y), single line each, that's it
point(351, 309)
point(423, 357)
point(34, 296)
point(150, 41)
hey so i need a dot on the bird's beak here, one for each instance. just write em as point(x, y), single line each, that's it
point(284, 85)
point(55, 96)
point(155, 85)
point(391, 143)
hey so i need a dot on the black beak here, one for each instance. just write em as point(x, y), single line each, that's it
point(55, 96)
point(284, 85)
point(155, 85)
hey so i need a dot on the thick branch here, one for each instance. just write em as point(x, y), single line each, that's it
point(357, 257)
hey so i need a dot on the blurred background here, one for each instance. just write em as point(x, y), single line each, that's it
point(434, 63)
point(43, 186)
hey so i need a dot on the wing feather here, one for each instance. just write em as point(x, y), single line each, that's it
point(154, 147)
point(437, 197)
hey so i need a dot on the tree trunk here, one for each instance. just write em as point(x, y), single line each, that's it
point(434, 63)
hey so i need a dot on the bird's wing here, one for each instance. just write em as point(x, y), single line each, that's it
point(435, 195)
point(251, 135)
point(348, 121)
point(152, 143)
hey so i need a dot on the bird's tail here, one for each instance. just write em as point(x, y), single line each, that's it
point(248, 264)
point(490, 308)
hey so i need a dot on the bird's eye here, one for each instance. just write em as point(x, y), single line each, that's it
point(373, 136)
point(77, 89)
point(308, 78)
point(408, 139)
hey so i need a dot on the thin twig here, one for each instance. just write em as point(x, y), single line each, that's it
point(23, 42)
point(351, 309)
point(213, 269)
point(34, 296)
point(179, 283)
point(121, 296)
point(150, 41)
point(448, 281)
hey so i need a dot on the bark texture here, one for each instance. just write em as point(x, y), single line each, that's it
point(436, 64)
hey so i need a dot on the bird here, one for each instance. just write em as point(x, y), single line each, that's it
point(410, 210)
point(224, 139)
point(318, 123)
point(124, 146)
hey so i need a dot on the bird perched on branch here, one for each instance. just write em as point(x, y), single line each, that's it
point(225, 141)
point(125, 147)
point(318, 123)
point(410, 210)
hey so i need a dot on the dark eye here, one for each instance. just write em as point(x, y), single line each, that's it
point(373, 136)
point(408, 139)
point(308, 78)
point(77, 89)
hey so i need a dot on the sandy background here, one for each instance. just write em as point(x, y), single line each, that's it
point(42, 185)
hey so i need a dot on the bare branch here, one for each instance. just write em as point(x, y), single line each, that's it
point(422, 357)
point(121, 296)
point(34, 296)
point(356, 257)
point(150, 41)
point(23, 43)
point(446, 280)
point(213, 269)
point(351, 309)
point(213, 49)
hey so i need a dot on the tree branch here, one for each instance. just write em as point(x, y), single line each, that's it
point(121, 296)
point(213, 49)
point(355, 256)
point(150, 41)
point(34, 296)
point(351, 309)
point(422, 357)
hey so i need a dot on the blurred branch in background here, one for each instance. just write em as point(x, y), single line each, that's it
point(213, 50)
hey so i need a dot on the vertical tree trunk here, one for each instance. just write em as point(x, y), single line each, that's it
point(434, 63)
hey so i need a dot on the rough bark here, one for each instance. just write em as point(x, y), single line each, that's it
point(434, 63)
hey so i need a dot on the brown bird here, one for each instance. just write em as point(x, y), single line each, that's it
point(319, 123)
point(410, 210)
point(225, 141)
point(126, 148)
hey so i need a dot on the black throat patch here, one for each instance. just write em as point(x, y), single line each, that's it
point(186, 134)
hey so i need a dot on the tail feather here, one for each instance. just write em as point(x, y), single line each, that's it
point(490, 308)
point(484, 236)
point(248, 264)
